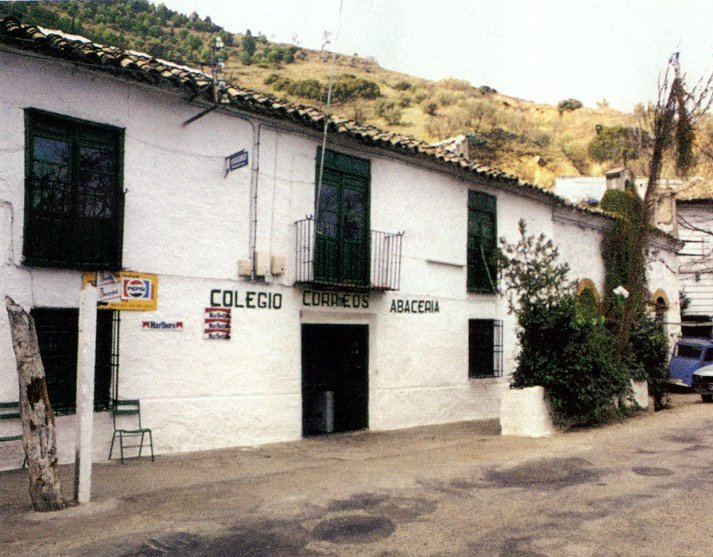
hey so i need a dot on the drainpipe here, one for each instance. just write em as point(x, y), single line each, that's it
point(254, 174)
point(254, 171)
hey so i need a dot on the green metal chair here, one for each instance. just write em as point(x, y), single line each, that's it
point(11, 411)
point(126, 415)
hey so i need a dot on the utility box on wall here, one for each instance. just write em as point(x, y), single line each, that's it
point(245, 268)
point(262, 264)
point(278, 265)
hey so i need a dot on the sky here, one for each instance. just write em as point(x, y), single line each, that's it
point(540, 50)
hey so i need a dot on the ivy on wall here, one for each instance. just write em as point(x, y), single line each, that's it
point(623, 262)
point(625, 265)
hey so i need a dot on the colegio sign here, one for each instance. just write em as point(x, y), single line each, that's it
point(249, 299)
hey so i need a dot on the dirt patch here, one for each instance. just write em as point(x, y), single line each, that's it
point(512, 547)
point(267, 539)
point(683, 439)
point(560, 518)
point(697, 448)
point(545, 474)
point(466, 485)
point(354, 529)
point(287, 541)
point(357, 502)
point(176, 544)
point(651, 471)
point(399, 509)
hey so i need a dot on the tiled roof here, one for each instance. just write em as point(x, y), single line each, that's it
point(143, 67)
point(697, 189)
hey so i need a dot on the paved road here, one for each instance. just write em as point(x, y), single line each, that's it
point(643, 487)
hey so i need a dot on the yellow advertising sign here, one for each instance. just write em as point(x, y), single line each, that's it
point(125, 290)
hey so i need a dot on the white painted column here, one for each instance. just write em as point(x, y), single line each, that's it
point(85, 393)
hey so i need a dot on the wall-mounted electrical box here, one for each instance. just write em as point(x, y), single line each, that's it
point(262, 263)
point(245, 268)
point(278, 265)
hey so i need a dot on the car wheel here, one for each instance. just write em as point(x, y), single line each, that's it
point(707, 398)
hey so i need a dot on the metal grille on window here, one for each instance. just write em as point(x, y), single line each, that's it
point(336, 248)
point(114, 360)
point(485, 348)
point(73, 193)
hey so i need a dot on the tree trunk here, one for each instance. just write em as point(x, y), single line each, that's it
point(38, 431)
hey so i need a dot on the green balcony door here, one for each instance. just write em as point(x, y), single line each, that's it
point(342, 223)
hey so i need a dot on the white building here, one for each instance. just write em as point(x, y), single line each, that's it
point(384, 317)
point(694, 208)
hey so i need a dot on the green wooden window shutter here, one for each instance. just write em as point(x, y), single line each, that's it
point(482, 242)
point(342, 246)
point(73, 193)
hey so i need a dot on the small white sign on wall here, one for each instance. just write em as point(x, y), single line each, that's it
point(162, 325)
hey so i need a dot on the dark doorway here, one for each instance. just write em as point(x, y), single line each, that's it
point(335, 378)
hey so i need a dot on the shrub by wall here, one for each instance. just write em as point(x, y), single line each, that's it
point(572, 357)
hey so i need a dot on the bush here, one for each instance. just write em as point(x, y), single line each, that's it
point(272, 78)
point(389, 111)
point(404, 101)
point(563, 348)
point(542, 139)
point(347, 87)
point(402, 85)
point(650, 350)
point(568, 105)
point(430, 108)
point(572, 357)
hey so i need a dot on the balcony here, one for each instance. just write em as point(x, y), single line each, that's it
point(325, 259)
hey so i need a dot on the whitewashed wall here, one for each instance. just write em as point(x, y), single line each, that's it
point(188, 223)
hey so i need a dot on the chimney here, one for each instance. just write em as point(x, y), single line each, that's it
point(621, 179)
point(665, 209)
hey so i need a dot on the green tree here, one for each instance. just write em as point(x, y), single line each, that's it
point(249, 47)
point(615, 143)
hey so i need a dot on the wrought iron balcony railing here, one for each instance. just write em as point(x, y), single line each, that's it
point(370, 261)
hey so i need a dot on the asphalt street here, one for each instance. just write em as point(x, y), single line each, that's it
point(641, 487)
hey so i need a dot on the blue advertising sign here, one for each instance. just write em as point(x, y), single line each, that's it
point(237, 160)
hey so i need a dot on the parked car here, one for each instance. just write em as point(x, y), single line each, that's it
point(703, 382)
point(689, 355)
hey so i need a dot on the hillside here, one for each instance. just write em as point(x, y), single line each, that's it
point(534, 141)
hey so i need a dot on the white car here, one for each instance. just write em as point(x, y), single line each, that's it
point(703, 382)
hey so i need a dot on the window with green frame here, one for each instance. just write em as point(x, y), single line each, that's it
point(342, 221)
point(482, 242)
point(73, 193)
